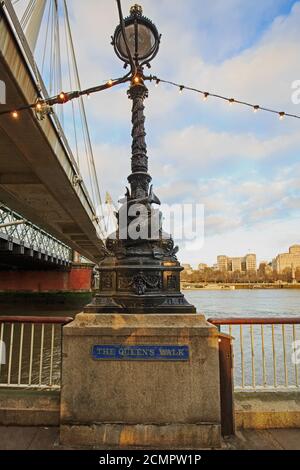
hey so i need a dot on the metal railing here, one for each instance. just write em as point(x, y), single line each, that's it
point(31, 352)
point(265, 356)
point(15, 230)
point(264, 352)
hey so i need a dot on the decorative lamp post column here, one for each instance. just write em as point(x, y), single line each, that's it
point(142, 273)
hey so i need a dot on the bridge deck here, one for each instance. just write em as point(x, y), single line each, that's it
point(36, 169)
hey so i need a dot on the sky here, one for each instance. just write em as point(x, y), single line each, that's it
point(243, 167)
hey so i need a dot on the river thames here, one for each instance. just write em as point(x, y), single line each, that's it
point(212, 303)
point(246, 302)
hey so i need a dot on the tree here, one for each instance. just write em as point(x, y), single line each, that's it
point(286, 275)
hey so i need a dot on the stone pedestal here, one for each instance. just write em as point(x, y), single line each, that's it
point(135, 402)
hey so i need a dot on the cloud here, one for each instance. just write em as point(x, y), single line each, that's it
point(263, 71)
point(221, 27)
point(197, 148)
point(267, 239)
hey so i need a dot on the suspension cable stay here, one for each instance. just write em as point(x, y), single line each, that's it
point(46, 25)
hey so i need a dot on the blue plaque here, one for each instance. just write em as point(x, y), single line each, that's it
point(107, 352)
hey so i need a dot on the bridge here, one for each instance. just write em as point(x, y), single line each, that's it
point(39, 175)
point(24, 244)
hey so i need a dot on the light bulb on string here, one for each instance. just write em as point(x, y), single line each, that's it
point(281, 116)
point(256, 108)
point(181, 88)
point(231, 101)
point(39, 106)
point(15, 114)
point(157, 82)
point(63, 97)
point(205, 96)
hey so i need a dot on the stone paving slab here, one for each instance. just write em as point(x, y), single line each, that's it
point(40, 438)
point(288, 438)
point(45, 439)
point(271, 439)
point(17, 438)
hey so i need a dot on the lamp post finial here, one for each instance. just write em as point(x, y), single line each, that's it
point(136, 10)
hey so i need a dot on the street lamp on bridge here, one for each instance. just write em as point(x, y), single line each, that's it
point(141, 274)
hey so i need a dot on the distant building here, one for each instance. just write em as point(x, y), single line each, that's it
point(245, 264)
point(222, 263)
point(250, 261)
point(265, 268)
point(202, 266)
point(290, 260)
point(236, 264)
point(187, 268)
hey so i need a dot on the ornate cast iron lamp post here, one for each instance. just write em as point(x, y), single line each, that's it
point(142, 273)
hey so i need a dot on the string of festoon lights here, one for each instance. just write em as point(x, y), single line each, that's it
point(231, 101)
point(43, 107)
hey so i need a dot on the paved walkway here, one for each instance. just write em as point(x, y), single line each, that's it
point(271, 439)
point(33, 438)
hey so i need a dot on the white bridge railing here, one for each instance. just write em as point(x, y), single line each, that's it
point(30, 352)
point(266, 352)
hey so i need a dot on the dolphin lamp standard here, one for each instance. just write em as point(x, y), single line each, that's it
point(140, 274)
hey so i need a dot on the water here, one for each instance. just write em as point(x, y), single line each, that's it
point(212, 303)
point(246, 302)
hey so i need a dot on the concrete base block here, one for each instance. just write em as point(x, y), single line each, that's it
point(267, 410)
point(140, 403)
point(29, 408)
point(171, 436)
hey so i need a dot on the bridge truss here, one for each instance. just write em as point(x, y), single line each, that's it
point(47, 28)
point(23, 243)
